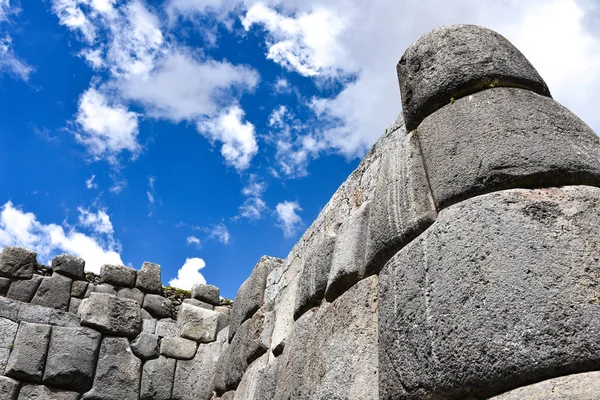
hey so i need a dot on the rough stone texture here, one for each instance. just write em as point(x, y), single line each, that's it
point(24, 290)
point(10, 308)
point(8, 331)
point(118, 275)
point(40, 392)
point(9, 388)
point(111, 315)
point(500, 292)
point(79, 289)
point(457, 60)
point(74, 305)
point(193, 378)
point(117, 373)
point(199, 303)
point(157, 379)
point(145, 314)
point(167, 328)
point(472, 147)
point(249, 387)
point(4, 286)
point(158, 306)
point(584, 386)
point(71, 358)
point(148, 278)
point(70, 266)
point(200, 324)
point(103, 288)
point(61, 318)
point(145, 346)
point(221, 309)
point(149, 325)
point(207, 293)
point(17, 262)
point(133, 294)
point(176, 347)
point(54, 292)
point(249, 297)
point(403, 206)
point(27, 358)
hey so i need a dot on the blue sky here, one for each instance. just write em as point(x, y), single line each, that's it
point(201, 135)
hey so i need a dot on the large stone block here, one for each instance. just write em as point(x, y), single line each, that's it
point(70, 266)
point(79, 289)
point(54, 292)
point(118, 275)
point(111, 315)
point(158, 306)
point(117, 373)
point(8, 331)
point(585, 386)
point(506, 138)
point(133, 294)
point(10, 308)
point(24, 290)
point(148, 278)
point(157, 379)
point(17, 262)
point(4, 286)
point(207, 293)
point(145, 346)
point(72, 358)
point(40, 392)
point(176, 347)
point(167, 328)
point(501, 291)
point(9, 388)
point(453, 61)
point(193, 378)
point(200, 324)
point(28, 356)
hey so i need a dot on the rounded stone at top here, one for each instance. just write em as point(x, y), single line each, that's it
point(453, 61)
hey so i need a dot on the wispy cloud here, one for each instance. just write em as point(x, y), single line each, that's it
point(218, 232)
point(193, 241)
point(288, 219)
point(90, 184)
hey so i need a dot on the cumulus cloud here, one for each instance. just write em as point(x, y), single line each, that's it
point(189, 274)
point(20, 228)
point(287, 217)
point(99, 221)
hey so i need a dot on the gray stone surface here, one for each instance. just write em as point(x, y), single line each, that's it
point(111, 315)
point(501, 291)
point(177, 347)
point(8, 331)
point(221, 309)
point(402, 205)
point(10, 308)
point(457, 60)
point(145, 346)
point(158, 306)
point(74, 305)
point(9, 388)
point(149, 325)
point(70, 266)
point(193, 378)
point(200, 324)
point(41, 392)
point(249, 297)
point(585, 386)
point(24, 290)
point(349, 256)
point(66, 319)
point(105, 288)
point(4, 286)
point(79, 289)
point(149, 279)
point(17, 262)
point(157, 379)
point(207, 293)
point(28, 356)
point(133, 294)
point(118, 372)
point(541, 144)
point(199, 303)
point(250, 385)
point(117, 275)
point(71, 359)
point(145, 314)
point(54, 292)
point(167, 328)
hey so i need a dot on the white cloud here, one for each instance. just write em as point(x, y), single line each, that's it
point(253, 208)
point(193, 240)
point(288, 219)
point(94, 58)
point(90, 184)
point(106, 129)
point(282, 85)
point(219, 232)
point(254, 187)
point(99, 221)
point(189, 274)
point(238, 138)
point(19, 228)
point(10, 63)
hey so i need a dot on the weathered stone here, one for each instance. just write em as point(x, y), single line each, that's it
point(118, 372)
point(118, 275)
point(167, 328)
point(158, 306)
point(10, 308)
point(585, 386)
point(199, 303)
point(221, 309)
point(145, 314)
point(23, 290)
point(348, 265)
point(501, 291)
point(8, 330)
point(540, 144)
point(79, 289)
point(200, 324)
point(41, 392)
point(249, 387)
point(27, 358)
point(133, 294)
point(157, 379)
point(249, 297)
point(17, 262)
point(193, 378)
point(176, 347)
point(453, 61)
point(4, 354)
point(70, 266)
point(9, 388)
point(66, 319)
point(54, 292)
point(145, 346)
point(402, 206)
point(207, 293)
point(74, 305)
point(148, 278)
point(105, 288)
point(4, 286)
point(149, 325)
point(35, 314)
point(111, 315)
point(72, 358)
